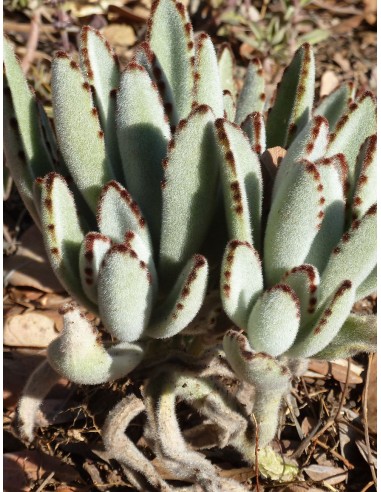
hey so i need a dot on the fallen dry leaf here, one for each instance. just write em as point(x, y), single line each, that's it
point(29, 267)
point(338, 369)
point(329, 82)
point(328, 474)
point(297, 488)
point(119, 35)
point(372, 396)
point(341, 61)
point(23, 468)
point(32, 329)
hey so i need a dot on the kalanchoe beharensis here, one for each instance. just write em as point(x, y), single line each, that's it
point(144, 160)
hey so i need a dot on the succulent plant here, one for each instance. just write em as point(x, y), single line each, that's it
point(291, 290)
point(144, 162)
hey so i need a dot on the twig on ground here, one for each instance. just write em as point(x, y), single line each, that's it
point(32, 43)
point(45, 482)
point(334, 453)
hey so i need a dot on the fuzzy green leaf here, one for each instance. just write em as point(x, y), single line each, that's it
point(368, 286)
point(77, 354)
point(143, 133)
point(100, 67)
point(351, 131)
point(183, 302)
point(26, 113)
point(304, 280)
point(170, 36)
point(294, 220)
point(365, 178)
point(242, 183)
point(93, 249)
point(358, 334)
point(252, 97)
point(335, 104)
point(229, 105)
point(241, 281)
point(189, 190)
point(125, 293)
point(311, 143)
point(62, 235)
point(255, 129)
point(354, 257)
point(207, 83)
point(15, 157)
point(294, 100)
point(274, 320)
point(139, 245)
point(226, 63)
point(333, 207)
point(79, 133)
point(116, 202)
point(334, 312)
point(260, 370)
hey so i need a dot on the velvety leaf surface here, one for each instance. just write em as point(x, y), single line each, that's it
point(252, 97)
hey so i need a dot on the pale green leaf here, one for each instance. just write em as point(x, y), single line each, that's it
point(226, 64)
point(335, 104)
point(80, 357)
point(274, 320)
point(189, 190)
point(368, 286)
point(304, 280)
point(170, 36)
point(294, 99)
point(183, 302)
point(79, 133)
point(143, 134)
point(255, 129)
point(118, 212)
point(365, 192)
point(125, 293)
point(241, 281)
point(207, 89)
point(315, 337)
point(358, 123)
point(229, 105)
point(252, 97)
point(62, 235)
point(358, 334)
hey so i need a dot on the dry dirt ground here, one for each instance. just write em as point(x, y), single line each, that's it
point(329, 427)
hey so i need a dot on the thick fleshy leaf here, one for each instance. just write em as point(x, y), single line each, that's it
point(274, 320)
point(189, 190)
point(333, 207)
point(311, 143)
point(294, 220)
point(79, 356)
point(144, 57)
point(313, 339)
point(354, 257)
point(304, 280)
point(226, 64)
point(241, 281)
point(294, 99)
point(255, 129)
point(259, 369)
point(15, 156)
point(183, 302)
point(229, 105)
point(93, 249)
point(100, 67)
point(79, 133)
point(336, 104)
point(368, 286)
point(116, 202)
point(207, 89)
point(143, 133)
point(351, 131)
point(135, 242)
point(63, 235)
point(170, 36)
point(366, 178)
point(242, 183)
point(252, 97)
point(358, 334)
point(26, 113)
point(125, 293)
